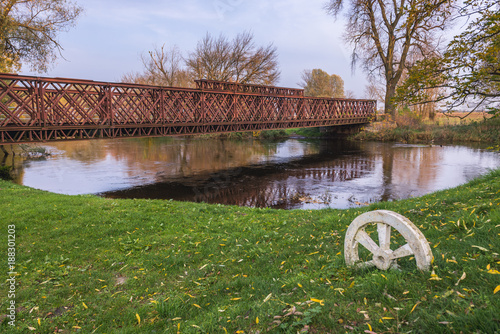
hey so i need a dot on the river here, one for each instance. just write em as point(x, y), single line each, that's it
point(287, 174)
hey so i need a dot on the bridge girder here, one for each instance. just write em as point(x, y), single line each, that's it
point(34, 109)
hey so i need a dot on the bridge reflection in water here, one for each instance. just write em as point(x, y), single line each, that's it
point(295, 183)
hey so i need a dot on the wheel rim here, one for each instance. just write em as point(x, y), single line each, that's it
point(383, 256)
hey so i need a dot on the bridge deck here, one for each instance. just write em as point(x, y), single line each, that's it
point(36, 109)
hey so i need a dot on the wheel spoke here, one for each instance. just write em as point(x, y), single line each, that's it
point(367, 264)
point(384, 235)
point(402, 252)
point(363, 238)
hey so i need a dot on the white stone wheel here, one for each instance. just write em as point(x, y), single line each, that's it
point(383, 257)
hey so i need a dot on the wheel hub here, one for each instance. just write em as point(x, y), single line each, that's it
point(383, 259)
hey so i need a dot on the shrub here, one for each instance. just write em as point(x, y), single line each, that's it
point(5, 173)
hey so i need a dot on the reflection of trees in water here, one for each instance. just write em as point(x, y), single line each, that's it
point(287, 187)
point(407, 169)
point(178, 157)
point(17, 162)
point(275, 185)
point(416, 166)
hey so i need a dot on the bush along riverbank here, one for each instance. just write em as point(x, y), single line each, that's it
point(95, 265)
point(405, 129)
point(485, 131)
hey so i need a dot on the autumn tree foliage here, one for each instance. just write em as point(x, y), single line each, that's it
point(468, 72)
point(318, 83)
point(29, 30)
point(385, 33)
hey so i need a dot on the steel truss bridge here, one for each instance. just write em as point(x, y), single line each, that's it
point(34, 109)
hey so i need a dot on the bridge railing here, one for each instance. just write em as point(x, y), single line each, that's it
point(247, 88)
point(38, 109)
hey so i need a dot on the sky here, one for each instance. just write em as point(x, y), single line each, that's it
point(110, 36)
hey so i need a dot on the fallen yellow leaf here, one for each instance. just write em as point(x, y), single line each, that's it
point(414, 307)
point(496, 289)
point(434, 277)
point(138, 318)
point(320, 301)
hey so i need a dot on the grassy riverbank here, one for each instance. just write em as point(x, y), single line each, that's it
point(94, 265)
point(484, 131)
point(474, 129)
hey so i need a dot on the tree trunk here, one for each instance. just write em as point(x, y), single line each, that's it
point(390, 105)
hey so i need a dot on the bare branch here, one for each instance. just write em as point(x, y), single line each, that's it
point(238, 60)
point(385, 33)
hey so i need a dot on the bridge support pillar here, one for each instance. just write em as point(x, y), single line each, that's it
point(5, 152)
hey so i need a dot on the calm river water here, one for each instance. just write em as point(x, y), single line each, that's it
point(290, 174)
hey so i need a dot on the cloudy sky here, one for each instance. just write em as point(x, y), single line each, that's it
point(111, 34)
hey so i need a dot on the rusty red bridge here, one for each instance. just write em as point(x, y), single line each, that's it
point(34, 109)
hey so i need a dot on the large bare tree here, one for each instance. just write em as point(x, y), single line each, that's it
point(29, 29)
point(162, 67)
point(237, 60)
point(384, 33)
point(165, 67)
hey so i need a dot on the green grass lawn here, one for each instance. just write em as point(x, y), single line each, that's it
point(481, 131)
point(93, 265)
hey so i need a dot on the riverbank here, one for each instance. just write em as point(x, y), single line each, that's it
point(444, 130)
point(484, 131)
point(96, 265)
